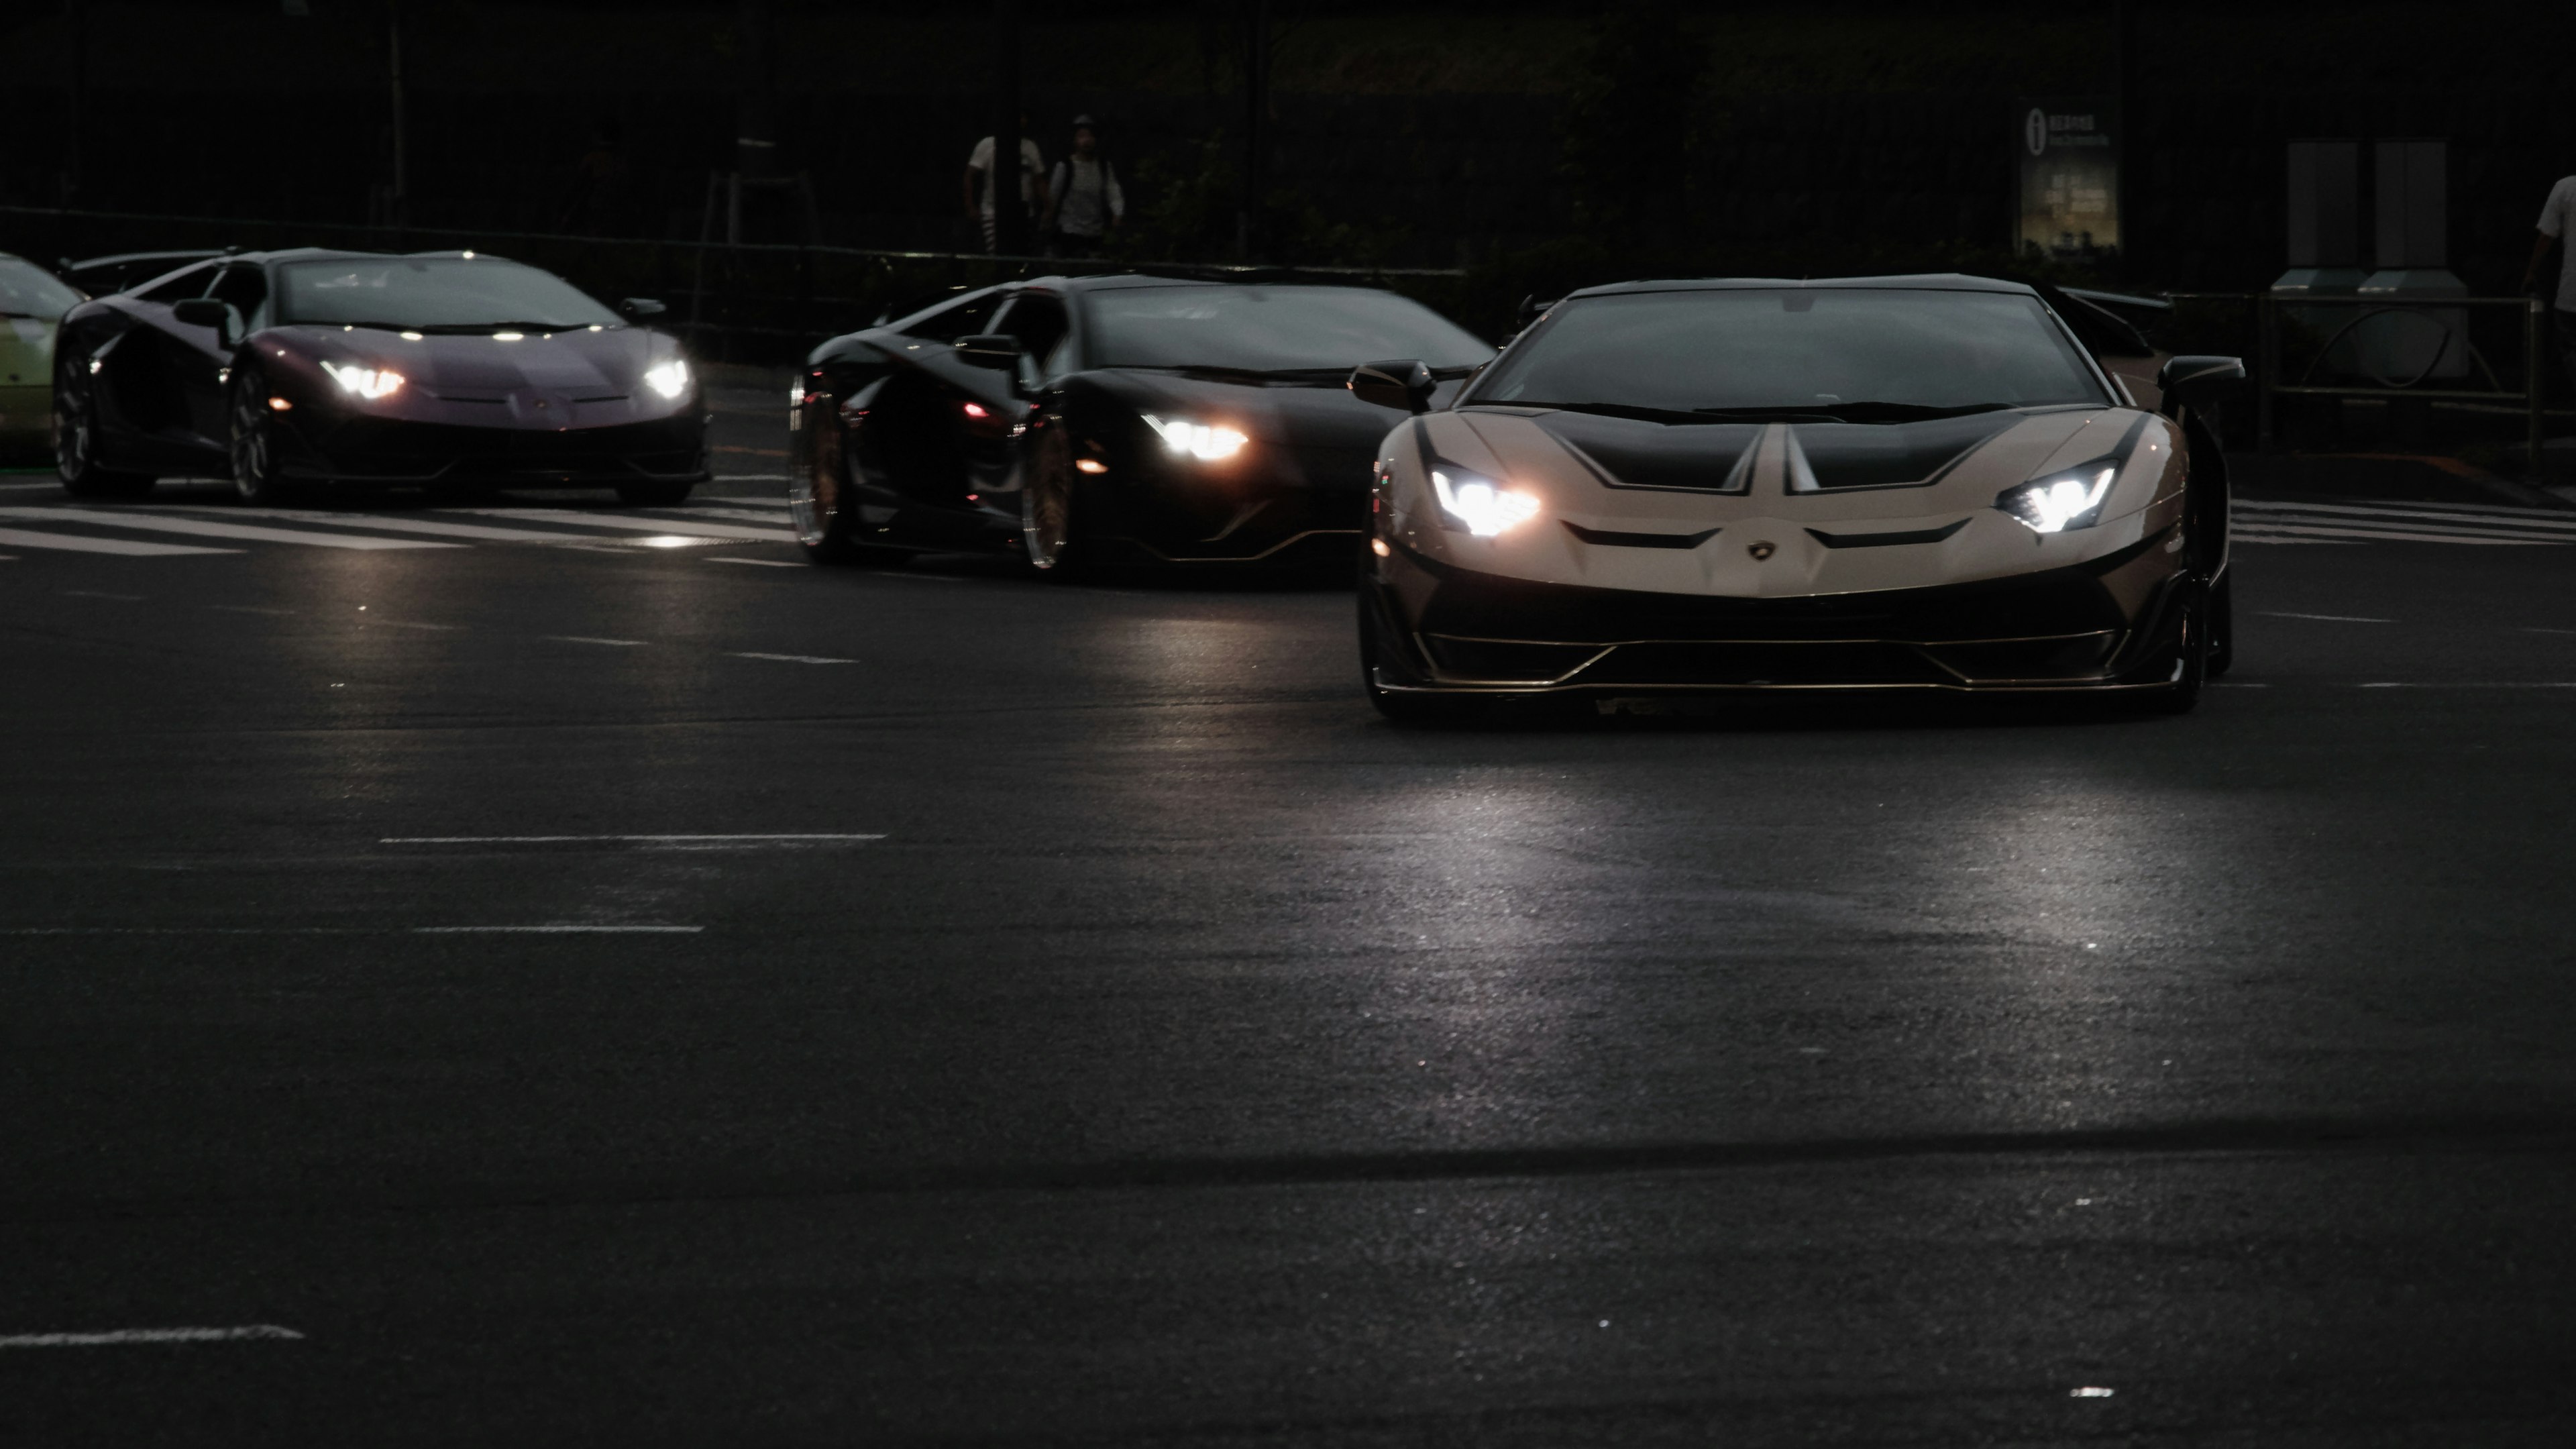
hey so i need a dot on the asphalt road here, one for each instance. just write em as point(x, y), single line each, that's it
point(1017, 1014)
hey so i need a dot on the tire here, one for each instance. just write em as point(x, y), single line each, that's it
point(76, 445)
point(2191, 658)
point(1413, 711)
point(656, 493)
point(253, 444)
point(1051, 512)
point(2222, 626)
point(822, 507)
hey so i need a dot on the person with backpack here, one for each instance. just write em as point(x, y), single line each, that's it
point(1086, 203)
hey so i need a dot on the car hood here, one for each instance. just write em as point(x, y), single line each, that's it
point(1778, 509)
point(1300, 413)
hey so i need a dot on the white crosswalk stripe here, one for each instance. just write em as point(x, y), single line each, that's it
point(634, 523)
point(204, 528)
point(81, 543)
point(2271, 521)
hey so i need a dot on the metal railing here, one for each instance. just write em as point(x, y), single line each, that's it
point(2340, 320)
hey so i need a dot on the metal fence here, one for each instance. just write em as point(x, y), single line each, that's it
point(2471, 356)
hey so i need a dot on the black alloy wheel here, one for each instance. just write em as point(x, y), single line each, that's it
point(76, 444)
point(256, 477)
point(821, 504)
point(1051, 510)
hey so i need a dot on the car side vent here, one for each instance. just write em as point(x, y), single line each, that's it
point(1615, 539)
point(1881, 540)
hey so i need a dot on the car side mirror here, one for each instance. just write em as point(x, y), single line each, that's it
point(636, 309)
point(2192, 381)
point(210, 313)
point(1407, 385)
point(999, 351)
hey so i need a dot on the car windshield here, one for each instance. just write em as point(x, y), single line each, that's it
point(27, 290)
point(433, 293)
point(1854, 354)
point(1270, 330)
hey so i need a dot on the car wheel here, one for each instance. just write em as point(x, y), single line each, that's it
point(824, 510)
point(2222, 626)
point(76, 446)
point(1051, 511)
point(1419, 711)
point(256, 479)
point(654, 494)
point(2190, 664)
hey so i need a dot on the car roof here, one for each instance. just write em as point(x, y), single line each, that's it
point(1119, 281)
point(1921, 282)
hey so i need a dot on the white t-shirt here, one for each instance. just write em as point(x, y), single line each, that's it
point(1032, 166)
point(2558, 219)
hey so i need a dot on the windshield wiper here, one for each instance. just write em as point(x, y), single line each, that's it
point(1613, 410)
point(464, 328)
point(1877, 412)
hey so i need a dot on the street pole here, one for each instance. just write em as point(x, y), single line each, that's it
point(2124, 60)
point(400, 208)
point(75, 75)
point(1010, 230)
point(1256, 126)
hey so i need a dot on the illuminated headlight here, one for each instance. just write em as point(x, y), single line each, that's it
point(370, 383)
point(1206, 442)
point(2070, 498)
point(1482, 506)
point(671, 378)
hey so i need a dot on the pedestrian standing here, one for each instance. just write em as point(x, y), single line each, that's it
point(979, 187)
point(2556, 215)
point(1086, 204)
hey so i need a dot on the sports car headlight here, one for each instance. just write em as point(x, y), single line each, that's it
point(1207, 442)
point(2068, 498)
point(670, 379)
point(1479, 504)
point(370, 383)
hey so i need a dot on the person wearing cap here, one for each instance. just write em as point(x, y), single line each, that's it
point(1086, 203)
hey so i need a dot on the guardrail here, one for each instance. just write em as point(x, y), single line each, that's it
point(2447, 351)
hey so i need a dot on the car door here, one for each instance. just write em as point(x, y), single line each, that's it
point(936, 427)
point(202, 374)
point(135, 369)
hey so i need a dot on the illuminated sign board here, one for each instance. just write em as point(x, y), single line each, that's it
point(2070, 178)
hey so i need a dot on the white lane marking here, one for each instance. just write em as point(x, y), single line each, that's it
point(191, 931)
point(2238, 535)
point(585, 639)
point(557, 930)
point(95, 594)
point(739, 515)
point(794, 658)
point(400, 624)
point(2328, 618)
point(480, 531)
point(720, 477)
point(74, 543)
point(566, 839)
point(240, 1334)
point(2484, 512)
point(18, 487)
point(204, 528)
point(2509, 525)
point(629, 523)
point(767, 563)
point(2397, 536)
point(2469, 684)
point(2535, 629)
